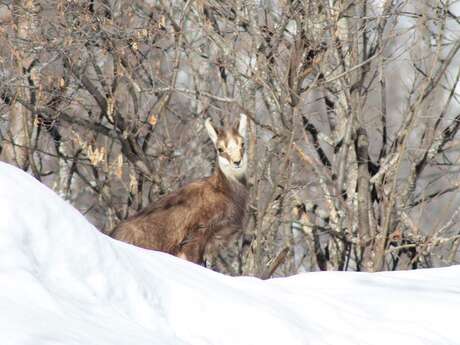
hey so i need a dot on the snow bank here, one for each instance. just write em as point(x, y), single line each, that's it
point(63, 282)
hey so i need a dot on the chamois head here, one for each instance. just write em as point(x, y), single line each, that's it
point(230, 146)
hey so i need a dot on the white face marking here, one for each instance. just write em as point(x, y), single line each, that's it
point(232, 146)
point(229, 168)
point(232, 159)
point(233, 150)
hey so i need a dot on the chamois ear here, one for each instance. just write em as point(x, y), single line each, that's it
point(211, 130)
point(242, 125)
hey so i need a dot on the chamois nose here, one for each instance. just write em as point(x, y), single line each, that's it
point(237, 164)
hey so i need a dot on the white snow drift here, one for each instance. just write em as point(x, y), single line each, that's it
point(63, 282)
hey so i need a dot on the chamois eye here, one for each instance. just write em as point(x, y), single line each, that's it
point(220, 149)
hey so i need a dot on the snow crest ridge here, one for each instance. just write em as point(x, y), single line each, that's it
point(63, 282)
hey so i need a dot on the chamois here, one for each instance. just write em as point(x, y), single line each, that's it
point(183, 222)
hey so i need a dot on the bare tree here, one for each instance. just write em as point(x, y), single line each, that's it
point(354, 109)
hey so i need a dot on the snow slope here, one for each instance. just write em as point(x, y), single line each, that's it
point(63, 282)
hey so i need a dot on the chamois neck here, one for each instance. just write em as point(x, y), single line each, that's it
point(230, 179)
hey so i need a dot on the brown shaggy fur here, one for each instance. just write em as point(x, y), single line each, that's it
point(184, 222)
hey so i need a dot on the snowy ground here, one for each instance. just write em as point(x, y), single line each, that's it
point(62, 282)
